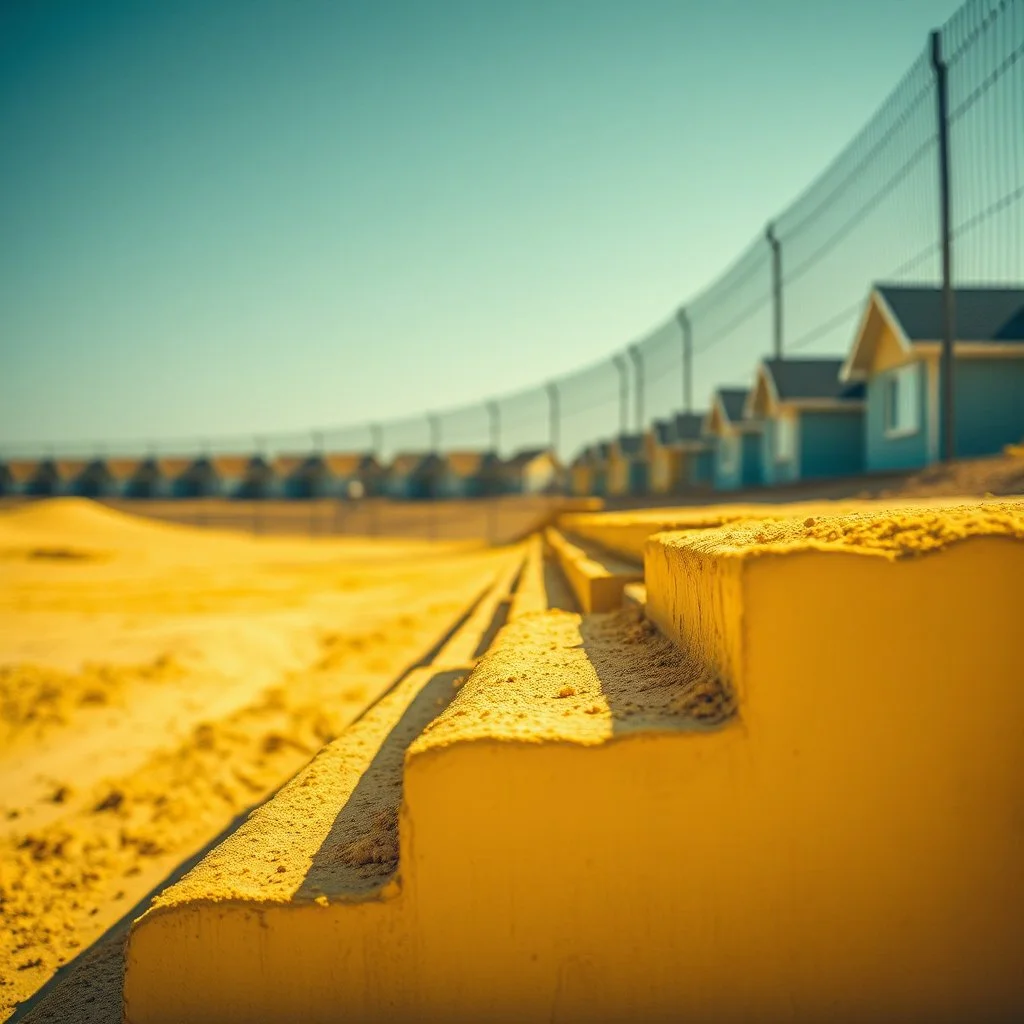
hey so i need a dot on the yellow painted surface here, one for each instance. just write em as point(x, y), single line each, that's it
point(626, 533)
point(596, 580)
point(808, 809)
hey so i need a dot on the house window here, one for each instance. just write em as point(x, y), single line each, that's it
point(727, 447)
point(785, 439)
point(903, 400)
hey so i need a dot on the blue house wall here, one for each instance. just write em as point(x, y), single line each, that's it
point(831, 443)
point(908, 451)
point(701, 467)
point(727, 469)
point(637, 479)
point(988, 410)
point(752, 468)
point(773, 471)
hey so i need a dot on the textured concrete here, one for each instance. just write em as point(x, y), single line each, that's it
point(597, 578)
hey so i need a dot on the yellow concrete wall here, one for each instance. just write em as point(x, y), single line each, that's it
point(578, 842)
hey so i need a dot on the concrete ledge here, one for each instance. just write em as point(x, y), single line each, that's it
point(596, 579)
point(634, 595)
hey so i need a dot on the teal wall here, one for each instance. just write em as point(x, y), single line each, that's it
point(831, 443)
point(637, 477)
point(988, 405)
point(884, 453)
point(752, 468)
point(727, 478)
point(988, 409)
point(701, 467)
point(775, 472)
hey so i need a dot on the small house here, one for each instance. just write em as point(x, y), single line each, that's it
point(413, 476)
point(531, 471)
point(154, 477)
point(7, 486)
point(258, 480)
point(469, 474)
point(52, 477)
point(627, 465)
point(353, 474)
point(896, 353)
point(736, 441)
point(678, 454)
point(198, 480)
point(581, 475)
point(813, 422)
point(19, 473)
point(95, 481)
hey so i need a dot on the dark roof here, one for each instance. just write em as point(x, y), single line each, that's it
point(631, 444)
point(797, 379)
point(664, 431)
point(687, 426)
point(733, 400)
point(521, 458)
point(982, 314)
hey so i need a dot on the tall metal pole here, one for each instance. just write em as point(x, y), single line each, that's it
point(494, 413)
point(684, 325)
point(776, 288)
point(553, 417)
point(620, 365)
point(638, 381)
point(948, 300)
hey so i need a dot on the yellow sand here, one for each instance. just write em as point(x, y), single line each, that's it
point(156, 679)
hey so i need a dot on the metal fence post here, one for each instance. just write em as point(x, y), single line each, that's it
point(494, 414)
point(620, 365)
point(684, 325)
point(776, 289)
point(948, 299)
point(638, 372)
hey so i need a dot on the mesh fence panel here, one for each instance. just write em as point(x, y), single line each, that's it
point(872, 215)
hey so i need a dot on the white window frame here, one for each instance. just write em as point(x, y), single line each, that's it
point(902, 400)
point(785, 439)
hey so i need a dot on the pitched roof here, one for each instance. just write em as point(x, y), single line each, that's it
point(688, 426)
point(466, 463)
point(121, 469)
point(409, 462)
point(732, 400)
point(981, 314)
point(663, 431)
point(230, 465)
point(527, 455)
point(803, 379)
point(630, 444)
point(22, 470)
point(347, 463)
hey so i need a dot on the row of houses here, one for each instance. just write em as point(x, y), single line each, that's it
point(326, 475)
point(877, 410)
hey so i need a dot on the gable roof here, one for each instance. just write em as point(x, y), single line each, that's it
point(731, 400)
point(663, 431)
point(629, 445)
point(688, 426)
point(800, 379)
point(468, 462)
point(981, 314)
point(528, 455)
point(411, 462)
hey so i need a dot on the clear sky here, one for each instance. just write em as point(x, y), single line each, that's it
point(233, 218)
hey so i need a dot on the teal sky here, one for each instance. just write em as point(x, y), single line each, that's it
point(241, 218)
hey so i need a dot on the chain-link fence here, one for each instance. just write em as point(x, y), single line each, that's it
point(872, 216)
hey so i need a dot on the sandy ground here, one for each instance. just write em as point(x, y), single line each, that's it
point(498, 521)
point(156, 680)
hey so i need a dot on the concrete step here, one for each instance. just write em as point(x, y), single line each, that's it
point(798, 800)
point(328, 839)
point(634, 595)
point(597, 579)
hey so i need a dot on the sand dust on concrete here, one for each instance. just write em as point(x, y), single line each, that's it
point(156, 679)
